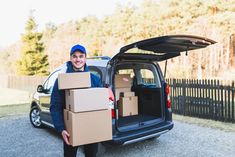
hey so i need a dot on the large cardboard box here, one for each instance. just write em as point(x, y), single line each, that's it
point(127, 94)
point(88, 127)
point(90, 99)
point(128, 106)
point(118, 91)
point(74, 80)
point(123, 81)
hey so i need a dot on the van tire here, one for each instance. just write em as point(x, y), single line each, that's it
point(35, 117)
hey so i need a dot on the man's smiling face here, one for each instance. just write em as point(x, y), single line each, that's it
point(78, 60)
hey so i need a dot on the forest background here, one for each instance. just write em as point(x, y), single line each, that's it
point(213, 19)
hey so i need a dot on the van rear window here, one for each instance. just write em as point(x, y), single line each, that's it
point(142, 74)
point(147, 77)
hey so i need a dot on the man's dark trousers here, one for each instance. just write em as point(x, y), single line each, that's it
point(90, 150)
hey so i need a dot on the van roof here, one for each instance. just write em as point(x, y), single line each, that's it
point(97, 62)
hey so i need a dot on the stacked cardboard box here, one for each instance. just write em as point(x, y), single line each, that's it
point(126, 100)
point(122, 84)
point(90, 99)
point(87, 115)
point(74, 80)
point(118, 91)
point(128, 106)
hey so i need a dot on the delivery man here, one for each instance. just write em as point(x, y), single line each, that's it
point(77, 63)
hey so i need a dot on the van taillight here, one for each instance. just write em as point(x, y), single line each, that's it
point(168, 99)
point(111, 106)
point(111, 102)
point(113, 114)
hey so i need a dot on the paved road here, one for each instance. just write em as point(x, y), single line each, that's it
point(19, 138)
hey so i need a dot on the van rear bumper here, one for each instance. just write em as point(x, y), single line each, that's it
point(145, 137)
point(140, 135)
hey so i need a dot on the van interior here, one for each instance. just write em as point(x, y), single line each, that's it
point(146, 86)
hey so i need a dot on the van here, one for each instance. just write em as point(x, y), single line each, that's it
point(150, 115)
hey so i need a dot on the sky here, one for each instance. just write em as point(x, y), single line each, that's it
point(15, 13)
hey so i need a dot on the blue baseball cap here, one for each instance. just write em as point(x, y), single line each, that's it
point(79, 48)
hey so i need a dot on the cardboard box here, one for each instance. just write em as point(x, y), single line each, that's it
point(127, 94)
point(128, 106)
point(123, 81)
point(88, 127)
point(90, 99)
point(120, 90)
point(74, 80)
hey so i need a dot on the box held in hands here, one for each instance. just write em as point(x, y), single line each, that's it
point(90, 99)
point(88, 127)
point(74, 80)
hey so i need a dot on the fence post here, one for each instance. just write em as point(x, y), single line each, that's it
point(229, 103)
point(215, 100)
point(179, 98)
point(222, 101)
point(233, 119)
point(187, 97)
point(183, 96)
point(200, 104)
point(203, 99)
point(197, 92)
point(211, 98)
point(190, 97)
point(173, 95)
point(194, 100)
point(207, 100)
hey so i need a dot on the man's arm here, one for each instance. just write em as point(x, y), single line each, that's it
point(95, 81)
point(56, 108)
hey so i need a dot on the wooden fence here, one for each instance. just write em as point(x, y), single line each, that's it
point(211, 99)
point(28, 83)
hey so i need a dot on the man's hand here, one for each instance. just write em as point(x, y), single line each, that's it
point(65, 136)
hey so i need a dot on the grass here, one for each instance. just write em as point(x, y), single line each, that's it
point(14, 109)
point(13, 102)
point(13, 96)
point(230, 127)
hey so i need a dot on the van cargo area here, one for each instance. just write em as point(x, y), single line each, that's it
point(146, 107)
point(149, 110)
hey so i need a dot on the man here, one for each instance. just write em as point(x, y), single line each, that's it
point(77, 63)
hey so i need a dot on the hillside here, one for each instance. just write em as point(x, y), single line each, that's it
point(213, 19)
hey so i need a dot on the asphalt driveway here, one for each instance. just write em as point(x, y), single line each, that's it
point(19, 138)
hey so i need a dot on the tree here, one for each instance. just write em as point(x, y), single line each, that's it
point(33, 59)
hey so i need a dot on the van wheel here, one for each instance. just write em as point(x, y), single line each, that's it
point(35, 117)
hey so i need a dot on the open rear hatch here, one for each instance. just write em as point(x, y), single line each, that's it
point(150, 100)
point(166, 47)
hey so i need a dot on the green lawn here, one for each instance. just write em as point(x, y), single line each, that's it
point(230, 127)
point(13, 96)
point(8, 110)
point(13, 102)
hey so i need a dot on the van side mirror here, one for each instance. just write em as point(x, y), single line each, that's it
point(40, 89)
